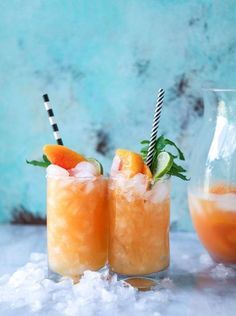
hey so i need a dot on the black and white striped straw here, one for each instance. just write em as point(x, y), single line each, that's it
point(155, 126)
point(52, 120)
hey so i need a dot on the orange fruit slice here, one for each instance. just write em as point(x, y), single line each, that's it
point(131, 162)
point(62, 156)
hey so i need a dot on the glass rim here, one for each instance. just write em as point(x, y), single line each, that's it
point(219, 89)
point(77, 178)
point(162, 179)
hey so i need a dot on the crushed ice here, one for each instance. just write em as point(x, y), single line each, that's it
point(56, 171)
point(83, 169)
point(205, 260)
point(138, 186)
point(221, 272)
point(29, 290)
point(115, 166)
point(96, 293)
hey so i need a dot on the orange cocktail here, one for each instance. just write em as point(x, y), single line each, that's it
point(139, 225)
point(76, 224)
point(214, 217)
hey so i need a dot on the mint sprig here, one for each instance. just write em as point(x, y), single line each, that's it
point(160, 146)
point(43, 163)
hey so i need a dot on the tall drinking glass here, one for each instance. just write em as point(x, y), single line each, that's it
point(212, 189)
point(139, 227)
point(76, 224)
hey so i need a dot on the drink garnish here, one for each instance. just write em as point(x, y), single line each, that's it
point(131, 162)
point(96, 164)
point(63, 157)
point(164, 164)
point(40, 163)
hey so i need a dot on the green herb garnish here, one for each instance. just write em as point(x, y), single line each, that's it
point(43, 163)
point(170, 167)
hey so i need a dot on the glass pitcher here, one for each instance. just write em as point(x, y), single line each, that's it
point(212, 188)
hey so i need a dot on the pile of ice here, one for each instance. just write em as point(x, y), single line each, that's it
point(83, 169)
point(30, 290)
point(138, 186)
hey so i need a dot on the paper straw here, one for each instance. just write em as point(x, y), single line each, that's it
point(52, 120)
point(155, 126)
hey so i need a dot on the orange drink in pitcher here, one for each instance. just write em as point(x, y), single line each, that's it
point(212, 189)
point(214, 218)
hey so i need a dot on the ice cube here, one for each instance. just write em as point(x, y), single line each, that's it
point(130, 187)
point(205, 260)
point(226, 202)
point(194, 202)
point(36, 306)
point(48, 285)
point(84, 169)
point(115, 166)
point(56, 171)
point(167, 283)
point(138, 183)
point(160, 191)
point(221, 272)
point(18, 278)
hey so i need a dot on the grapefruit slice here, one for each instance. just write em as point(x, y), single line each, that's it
point(131, 162)
point(62, 156)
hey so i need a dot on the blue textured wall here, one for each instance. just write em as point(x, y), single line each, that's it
point(101, 63)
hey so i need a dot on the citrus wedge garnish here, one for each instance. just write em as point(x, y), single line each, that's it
point(96, 164)
point(164, 164)
point(131, 162)
point(62, 156)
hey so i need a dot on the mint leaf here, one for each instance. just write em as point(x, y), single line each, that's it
point(177, 174)
point(45, 158)
point(44, 164)
point(178, 168)
point(173, 156)
point(169, 142)
point(144, 149)
point(144, 142)
point(160, 143)
point(178, 171)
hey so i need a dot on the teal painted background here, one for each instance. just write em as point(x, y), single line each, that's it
point(101, 62)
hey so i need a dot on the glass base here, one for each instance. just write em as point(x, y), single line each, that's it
point(56, 277)
point(145, 282)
